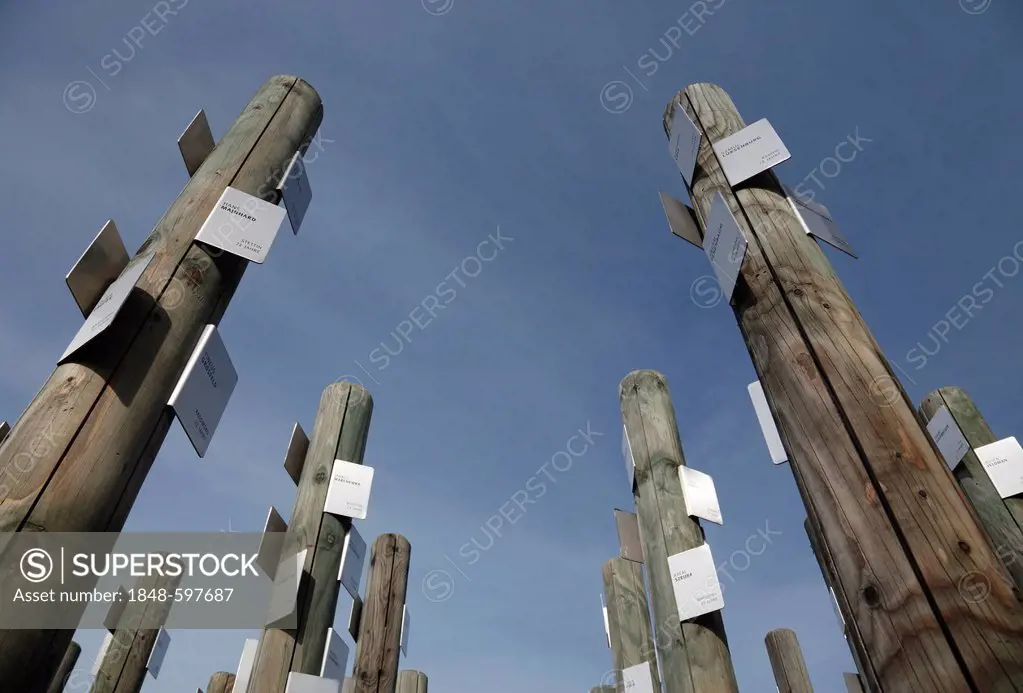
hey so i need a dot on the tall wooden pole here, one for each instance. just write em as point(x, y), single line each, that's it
point(628, 618)
point(901, 533)
point(67, 665)
point(1001, 519)
point(340, 432)
point(787, 662)
point(221, 682)
point(377, 650)
point(852, 634)
point(123, 669)
point(410, 681)
point(76, 458)
point(694, 658)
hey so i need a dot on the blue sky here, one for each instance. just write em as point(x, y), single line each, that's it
point(444, 121)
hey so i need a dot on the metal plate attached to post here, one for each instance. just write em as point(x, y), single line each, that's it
point(681, 219)
point(294, 458)
point(294, 190)
point(355, 618)
point(196, 143)
point(97, 268)
point(268, 557)
point(630, 546)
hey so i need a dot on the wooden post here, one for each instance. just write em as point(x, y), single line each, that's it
point(379, 646)
point(410, 681)
point(76, 458)
point(852, 634)
point(628, 618)
point(787, 662)
point(221, 682)
point(694, 658)
point(67, 665)
point(901, 533)
point(340, 431)
point(853, 683)
point(1001, 519)
point(123, 669)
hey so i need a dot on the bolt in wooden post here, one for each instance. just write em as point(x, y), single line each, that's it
point(852, 634)
point(1001, 519)
point(901, 534)
point(379, 646)
point(340, 432)
point(410, 681)
point(123, 669)
point(76, 458)
point(221, 682)
point(628, 618)
point(694, 657)
point(787, 662)
point(67, 665)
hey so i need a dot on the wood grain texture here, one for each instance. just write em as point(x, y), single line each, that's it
point(123, 669)
point(787, 663)
point(853, 636)
point(67, 665)
point(628, 618)
point(694, 654)
point(317, 611)
point(410, 681)
point(379, 647)
point(277, 654)
point(899, 529)
point(76, 458)
point(1002, 519)
point(221, 682)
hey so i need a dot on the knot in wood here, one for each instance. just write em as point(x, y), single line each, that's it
point(321, 475)
point(922, 493)
point(871, 596)
point(797, 292)
point(331, 538)
point(964, 547)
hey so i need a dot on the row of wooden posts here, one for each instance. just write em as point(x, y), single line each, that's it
point(922, 561)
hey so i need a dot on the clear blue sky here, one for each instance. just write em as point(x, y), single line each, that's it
point(441, 126)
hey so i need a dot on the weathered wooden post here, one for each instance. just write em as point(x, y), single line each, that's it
point(410, 681)
point(1002, 519)
point(787, 662)
point(67, 665)
point(75, 460)
point(900, 532)
point(125, 662)
point(694, 657)
point(378, 648)
point(340, 432)
point(221, 682)
point(628, 618)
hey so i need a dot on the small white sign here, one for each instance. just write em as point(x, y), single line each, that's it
point(268, 556)
point(107, 308)
point(348, 493)
point(335, 657)
point(838, 611)
point(637, 679)
point(695, 582)
point(817, 221)
point(100, 264)
point(157, 654)
point(700, 495)
point(196, 143)
point(353, 556)
point(767, 424)
point(245, 665)
point(107, 639)
point(630, 461)
point(355, 618)
point(295, 191)
point(946, 434)
point(284, 599)
point(307, 683)
point(405, 626)
point(607, 623)
point(243, 225)
point(684, 143)
point(724, 245)
point(294, 458)
point(200, 397)
point(681, 220)
point(1003, 461)
point(750, 151)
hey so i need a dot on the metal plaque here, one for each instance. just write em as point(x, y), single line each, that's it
point(294, 190)
point(295, 457)
point(307, 683)
point(283, 610)
point(355, 618)
point(335, 657)
point(196, 143)
point(5, 428)
point(116, 609)
point(245, 665)
point(243, 225)
point(269, 554)
point(97, 268)
point(157, 654)
point(353, 557)
point(629, 543)
point(681, 219)
point(406, 625)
